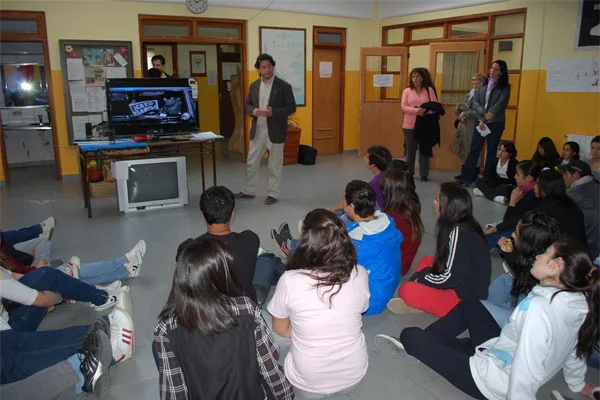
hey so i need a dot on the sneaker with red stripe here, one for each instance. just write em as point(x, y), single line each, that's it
point(122, 337)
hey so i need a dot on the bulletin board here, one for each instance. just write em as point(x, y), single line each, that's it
point(85, 66)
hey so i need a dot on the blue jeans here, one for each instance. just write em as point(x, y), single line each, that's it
point(500, 303)
point(269, 269)
point(470, 170)
point(493, 238)
point(13, 237)
point(100, 272)
point(25, 353)
point(42, 247)
point(28, 318)
point(594, 359)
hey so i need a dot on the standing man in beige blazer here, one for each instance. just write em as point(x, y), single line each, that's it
point(270, 101)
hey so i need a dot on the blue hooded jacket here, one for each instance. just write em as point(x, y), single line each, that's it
point(377, 244)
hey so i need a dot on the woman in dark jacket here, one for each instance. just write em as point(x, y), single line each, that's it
point(500, 183)
point(489, 107)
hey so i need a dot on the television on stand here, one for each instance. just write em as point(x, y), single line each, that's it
point(151, 184)
point(150, 106)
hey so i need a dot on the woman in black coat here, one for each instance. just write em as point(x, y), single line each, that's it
point(500, 182)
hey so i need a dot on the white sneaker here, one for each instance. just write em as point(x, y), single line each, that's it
point(111, 301)
point(113, 287)
point(124, 301)
point(134, 259)
point(500, 199)
point(73, 267)
point(48, 226)
point(122, 337)
point(478, 192)
point(261, 251)
point(389, 345)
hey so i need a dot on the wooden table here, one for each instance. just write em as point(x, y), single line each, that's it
point(157, 149)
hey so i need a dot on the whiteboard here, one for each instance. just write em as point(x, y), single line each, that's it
point(573, 75)
point(288, 49)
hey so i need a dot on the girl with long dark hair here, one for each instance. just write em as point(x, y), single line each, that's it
point(211, 342)
point(402, 203)
point(535, 232)
point(489, 108)
point(555, 327)
point(318, 302)
point(570, 151)
point(546, 154)
point(498, 186)
point(461, 267)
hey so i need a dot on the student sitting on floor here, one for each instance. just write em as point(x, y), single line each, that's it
point(594, 157)
point(402, 204)
point(522, 199)
point(461, 267)
point(211, 341)
point(555, 327)
point(570, 152)
point(318, 302)
point(546, 154)
point(28, 245)
point(500, 183)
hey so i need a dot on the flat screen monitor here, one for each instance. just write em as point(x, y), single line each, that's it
point(150, 106)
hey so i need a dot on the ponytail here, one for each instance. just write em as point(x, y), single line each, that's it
point(589, 331)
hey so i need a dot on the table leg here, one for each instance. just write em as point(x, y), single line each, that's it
point(214, 161)
point(202, 165)
point(86, 185)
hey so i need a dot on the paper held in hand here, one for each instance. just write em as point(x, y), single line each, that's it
point(483, 131)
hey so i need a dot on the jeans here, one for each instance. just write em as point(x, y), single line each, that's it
point(28, 318)
point(13, 237)
point(493, 238)
point(412, 144)
point(269, 269)
point(594, 359)
point(100, 272)
point(470, 170)
point(25, 353)
point(58, 382)
point(438, 347)
point(42, 247)
point(500, 303)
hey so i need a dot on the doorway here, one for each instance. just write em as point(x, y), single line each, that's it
point(167, 50)
point(329, 71)
point(29, 135)
point(382, 72)
point(452, 67)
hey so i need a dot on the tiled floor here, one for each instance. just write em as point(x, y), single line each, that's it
point(34, 195)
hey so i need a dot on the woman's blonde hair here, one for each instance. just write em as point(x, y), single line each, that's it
point(479, 77)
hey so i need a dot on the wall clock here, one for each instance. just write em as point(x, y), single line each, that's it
point(196, 6)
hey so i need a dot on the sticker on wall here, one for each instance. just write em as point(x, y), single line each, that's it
point(383, 80)
point(587, 36)
point(212, 77)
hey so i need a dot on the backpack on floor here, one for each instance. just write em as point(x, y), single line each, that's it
point(307, 155)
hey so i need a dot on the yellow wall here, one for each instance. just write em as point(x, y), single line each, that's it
point(118, 20)
point(549, 34)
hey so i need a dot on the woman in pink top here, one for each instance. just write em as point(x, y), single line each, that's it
point(318, 302)
point(420, 90)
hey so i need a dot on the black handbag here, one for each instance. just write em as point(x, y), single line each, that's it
point(307, 155)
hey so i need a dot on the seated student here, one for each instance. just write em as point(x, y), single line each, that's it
point(501, 181)
point(211, 341)
point(318, 303)
point(594, 157)
point(378, 159)
point(546, 154)
point(555, 202)
point(461, 267)
point(95, 273)
point(554, 328)
point(570, 152)
point(88, 349)
point(522, 199)
point(402, 203)
point(585, 192)
point(156, 73)
point(535, 232)
point(30, 244)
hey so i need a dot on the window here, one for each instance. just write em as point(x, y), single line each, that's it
point(329, 37)
point(395, 36)
point(166, 29)
point(509, 24)
point(469, 29)
point(220, 32)
point(19, 26)
point(435, 32)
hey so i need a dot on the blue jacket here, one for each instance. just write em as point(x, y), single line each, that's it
point(377, 245)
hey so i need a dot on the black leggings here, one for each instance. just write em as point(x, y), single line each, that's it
point(438, 347)
point(491, 189)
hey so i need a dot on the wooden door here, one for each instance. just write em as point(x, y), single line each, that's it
point(382, 79)
point(228, 64)
point(452, 68)
point(328, 100)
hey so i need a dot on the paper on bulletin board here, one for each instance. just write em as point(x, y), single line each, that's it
point(116, 72)
point(120, 59)
point(573, 75)
point(95, 75)
point(79, 127)
point(325, 69)
point(75, 69)
point(212, 77)
point(78, 96)
point(96, 98)
point(383, 80)
point(95, 119)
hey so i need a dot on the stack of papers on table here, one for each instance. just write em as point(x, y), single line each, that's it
point(206, 136)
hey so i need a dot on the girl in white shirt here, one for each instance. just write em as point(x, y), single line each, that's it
point(318, 302)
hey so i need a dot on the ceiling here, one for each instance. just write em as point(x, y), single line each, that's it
point(363, 9)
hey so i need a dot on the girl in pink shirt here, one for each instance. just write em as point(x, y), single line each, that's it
point(420, 90)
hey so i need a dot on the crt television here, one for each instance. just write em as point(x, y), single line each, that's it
point(150, 184)
point(150, 106)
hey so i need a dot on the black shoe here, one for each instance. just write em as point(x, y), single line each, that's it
point(284, 231)
point(281, 241)
point(457, 177)
point(95, 355)
point(261, 295)
point(102, 324)
point(270, 200)
point(424, 179)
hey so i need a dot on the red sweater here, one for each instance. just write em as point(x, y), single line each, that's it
point(409, 246)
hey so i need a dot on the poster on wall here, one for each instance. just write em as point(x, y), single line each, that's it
point(574, 75)
point(587, 36)
point(287, 46)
